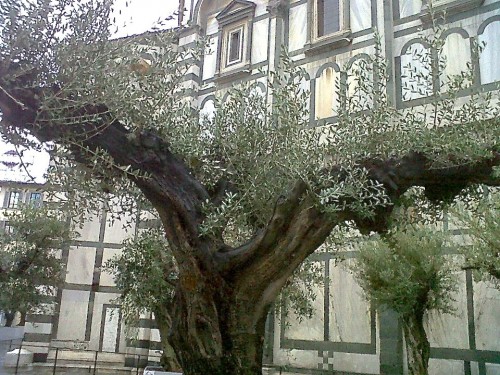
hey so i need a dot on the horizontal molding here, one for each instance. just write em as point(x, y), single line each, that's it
point(36, 318)
point(343, 347)
point(488, 356)
point(37, 337)
point(144, 344)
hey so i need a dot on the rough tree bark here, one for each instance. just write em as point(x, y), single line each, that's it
point(418, 349)
point(223, 294)
point(164, 322)
point(9, 318)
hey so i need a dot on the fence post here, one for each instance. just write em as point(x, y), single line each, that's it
point(18, 356)
point(55, 362)
point(95, 361)
point(138, 362)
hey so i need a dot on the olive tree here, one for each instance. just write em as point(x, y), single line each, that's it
point(30, 268)
point(406, 270)
point(146, 274)
point(482, 226)
point(243, 197)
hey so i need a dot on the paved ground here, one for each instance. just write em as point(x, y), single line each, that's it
point(9, 339)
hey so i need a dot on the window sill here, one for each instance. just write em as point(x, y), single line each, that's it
point(233, 74)
point(448, 8)
point(331, 43)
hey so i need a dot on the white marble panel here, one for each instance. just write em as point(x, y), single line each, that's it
point(450, 330)
point(210, 59)
point(80, 265)
point(409, 7)
point(361, 14)
point(73, 315)
point(260, 41)
point(43, 328)
point(445, 366)
point(155, 335)
point(99, 300)
point(457, 52)
point(492, 369)
point(119, 228)
point(212, 25)
point(297, 32)
point(107, 278)
point(490, 56)
point(307, 328)
point(111, 329)
point(487, 316)
point(349, 311)
point(326, 95)
point(416, 80)
point(261, 7)
point(356, 363)
point(91, 228)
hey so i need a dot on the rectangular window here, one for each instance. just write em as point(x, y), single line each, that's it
point(14, 198)
point(8, 229)
point(328, 17)
point(36, 199)
point(234, 46)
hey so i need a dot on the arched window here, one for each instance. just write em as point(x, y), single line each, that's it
point(490, 55)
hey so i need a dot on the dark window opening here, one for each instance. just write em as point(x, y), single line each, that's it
point(8, 229)
point(234, 52)
point(328, 17)
point(36, 199)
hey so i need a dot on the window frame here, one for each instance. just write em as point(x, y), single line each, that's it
point(10, 202)
point(37, 202)
point(320, 43)
point(7, 228)
point(315, 30)
point(237, 16)
point(241, 44)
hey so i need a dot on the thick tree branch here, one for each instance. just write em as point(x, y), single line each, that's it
point(166, 181)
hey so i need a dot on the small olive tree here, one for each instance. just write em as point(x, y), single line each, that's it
point(483, 228)
point(30, 269)
point(147, 274)
point(406, 271)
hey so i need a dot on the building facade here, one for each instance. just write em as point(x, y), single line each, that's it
point(346, 335)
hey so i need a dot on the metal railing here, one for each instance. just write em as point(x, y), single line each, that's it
point(91, 368)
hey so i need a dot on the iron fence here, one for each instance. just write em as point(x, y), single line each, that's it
point(139, 360)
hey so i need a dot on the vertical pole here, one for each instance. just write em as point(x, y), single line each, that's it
point(10, 345)
point(18, 356)
point(138, 362)
point(55, 362)
point(181, 13)
point(95, 361)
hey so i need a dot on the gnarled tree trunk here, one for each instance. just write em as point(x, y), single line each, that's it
point(9, 318)
point(417, 345)
point(168, 358)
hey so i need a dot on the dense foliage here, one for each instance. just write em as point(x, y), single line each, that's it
point(407, 270)
point(31, 265)
point(482, 228)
